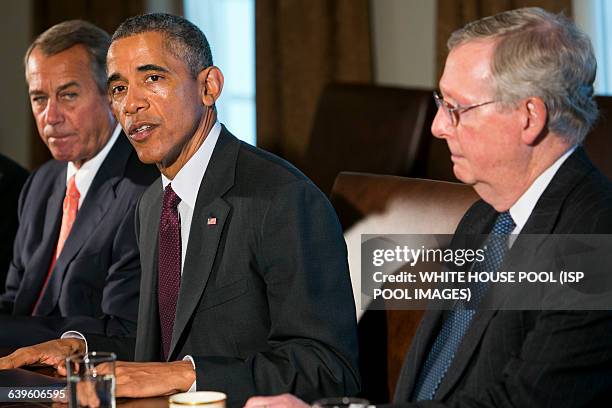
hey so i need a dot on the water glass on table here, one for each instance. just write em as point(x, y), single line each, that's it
point(91, 380)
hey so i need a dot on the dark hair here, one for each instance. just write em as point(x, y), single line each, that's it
point(64, 35)
point(183, 39)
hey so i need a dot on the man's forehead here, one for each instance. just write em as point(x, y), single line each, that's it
point(129, 53)
point(59, 70)
point(137, 45)
point(468, 68)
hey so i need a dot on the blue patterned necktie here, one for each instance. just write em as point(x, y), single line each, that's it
point(458, 321)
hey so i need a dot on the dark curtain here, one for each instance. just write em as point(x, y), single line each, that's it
point(106, 14)
point(454, 14)
point(302, 45)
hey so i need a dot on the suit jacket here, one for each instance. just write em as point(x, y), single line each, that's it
point(265, 303)
point(12, 178)
point(98, 271)
point(529, 358)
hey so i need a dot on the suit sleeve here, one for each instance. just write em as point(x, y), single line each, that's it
point(312, 340)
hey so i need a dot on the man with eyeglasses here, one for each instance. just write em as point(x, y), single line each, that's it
point(515, 104)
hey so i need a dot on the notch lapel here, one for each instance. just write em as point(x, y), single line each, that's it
point(148, 338)
point(204, 238)
point(415, 358)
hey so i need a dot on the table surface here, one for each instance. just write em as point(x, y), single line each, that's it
point(159, 402)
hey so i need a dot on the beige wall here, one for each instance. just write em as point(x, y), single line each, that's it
point(15, 28)
point(403, 39)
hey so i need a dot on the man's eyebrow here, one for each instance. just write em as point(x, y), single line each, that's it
point(113, 77)
point(152, 67)
point(143, 68)
point(61, 88)
point(68, 85)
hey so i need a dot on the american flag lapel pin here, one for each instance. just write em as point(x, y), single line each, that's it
point(212, 221)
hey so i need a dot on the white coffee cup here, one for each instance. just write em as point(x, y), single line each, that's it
point(210, 399)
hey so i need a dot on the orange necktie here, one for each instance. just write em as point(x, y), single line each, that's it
point(70, 208)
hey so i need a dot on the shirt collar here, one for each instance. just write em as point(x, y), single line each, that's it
point(84, 175)
point(522, 209)
point(193, 171)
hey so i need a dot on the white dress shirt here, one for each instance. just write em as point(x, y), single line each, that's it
point(187, 182)
point(83, 176)
point(523, 207)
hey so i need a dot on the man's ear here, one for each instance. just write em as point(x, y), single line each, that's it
point(210, 83)
point(534, 118)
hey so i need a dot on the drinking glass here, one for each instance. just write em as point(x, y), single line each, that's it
point(91, 379)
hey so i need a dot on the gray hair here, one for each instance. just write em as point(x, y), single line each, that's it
point(65, 35)
point(184, 39)
point(544, 55)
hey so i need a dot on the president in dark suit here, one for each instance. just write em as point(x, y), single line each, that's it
point(516, 102)
point(75, 254)
point(245, 284)
point(12, 179)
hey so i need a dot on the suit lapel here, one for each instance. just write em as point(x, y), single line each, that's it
point(546, 213)
point(204, 238)
point(465, 352)
point(99, 199)
point(415, 358)
point(38, 266)
point(148, 338)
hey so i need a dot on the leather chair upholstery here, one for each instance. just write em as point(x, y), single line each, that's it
point(598, 143)
point(380, 204)
point(367, 128)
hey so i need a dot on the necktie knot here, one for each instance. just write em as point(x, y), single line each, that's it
point(171, 199)
point(504, 224)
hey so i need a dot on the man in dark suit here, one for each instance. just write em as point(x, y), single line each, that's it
point(245, 284)
point(516, 102)
point(12, 178)
point(75, 252)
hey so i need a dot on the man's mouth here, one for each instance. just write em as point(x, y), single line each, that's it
point(140, 131)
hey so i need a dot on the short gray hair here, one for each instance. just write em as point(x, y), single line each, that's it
point(184, 39)
point(65, 35)
point(544, 55)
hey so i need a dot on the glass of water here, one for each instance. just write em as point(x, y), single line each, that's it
point(91, 380)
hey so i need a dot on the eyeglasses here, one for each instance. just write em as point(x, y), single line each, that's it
point(453, 112)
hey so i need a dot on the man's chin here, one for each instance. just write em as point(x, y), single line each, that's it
point(463, 177)
point(145, 155)
point(62, 156)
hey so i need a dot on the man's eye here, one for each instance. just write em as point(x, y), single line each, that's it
point(38, 100)
point(69, 96)
point(118, 89)
point(153, 78)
